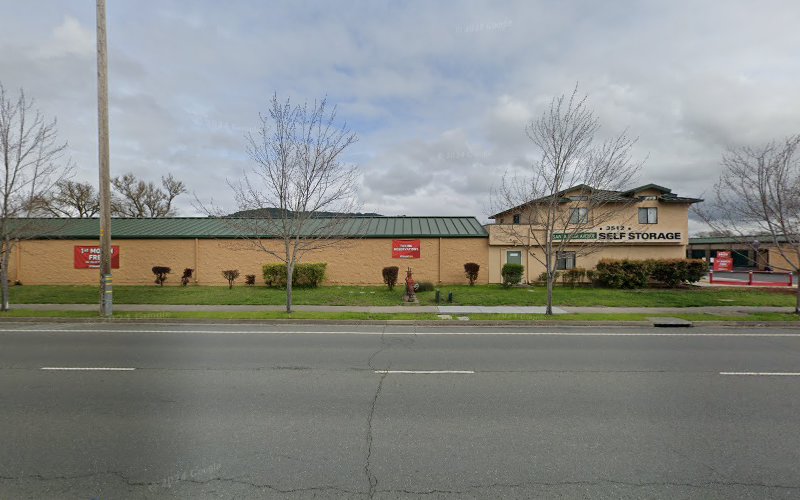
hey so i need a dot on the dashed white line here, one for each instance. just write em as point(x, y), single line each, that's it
point(425, 372)
point(764, 374)
point(88, 368)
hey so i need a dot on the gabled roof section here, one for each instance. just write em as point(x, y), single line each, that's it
point(646, 187)
point(227, 228)
point(606, 196)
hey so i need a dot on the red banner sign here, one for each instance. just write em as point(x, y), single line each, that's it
point(405, 249)
point(723, 261)
point(89, 257)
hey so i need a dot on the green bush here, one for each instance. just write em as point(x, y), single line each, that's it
point(471, 272)
point(673, 272)
point(390, 276)
point(512, 274)
point(424, 286)
point(695, 270)
point(305, 275)
point(573, 276)
point(543, 277)
point(624, 273)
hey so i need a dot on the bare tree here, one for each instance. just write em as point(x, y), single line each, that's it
point(758, 194)
point(547, 222)
point(139, 199)
point(69, 199)
point(31, 166)
point(299, 172)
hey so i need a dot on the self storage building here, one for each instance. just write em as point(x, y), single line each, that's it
point(65, 251)
point(647, 222)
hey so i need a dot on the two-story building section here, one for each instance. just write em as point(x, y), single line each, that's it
point(584, 225)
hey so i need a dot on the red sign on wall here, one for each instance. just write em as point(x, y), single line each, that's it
point(723, 261)
point(89, 257)
point(405, 249)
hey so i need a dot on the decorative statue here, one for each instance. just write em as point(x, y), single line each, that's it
point(410, 296)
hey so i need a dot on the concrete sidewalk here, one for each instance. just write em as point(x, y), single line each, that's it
point(451, 310)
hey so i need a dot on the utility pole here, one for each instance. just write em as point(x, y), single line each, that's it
point(106, 296)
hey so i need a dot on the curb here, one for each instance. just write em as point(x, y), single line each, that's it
point(441, 323)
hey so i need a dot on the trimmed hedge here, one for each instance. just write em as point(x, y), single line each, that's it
point(624, 273)
point(628, 273)
point(305, 275)
point(512, 274)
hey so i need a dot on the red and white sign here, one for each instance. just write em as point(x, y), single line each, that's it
point(89, 257)
point(723, 261)
point(405, 249)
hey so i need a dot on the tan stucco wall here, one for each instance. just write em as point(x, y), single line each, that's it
point(349, 261)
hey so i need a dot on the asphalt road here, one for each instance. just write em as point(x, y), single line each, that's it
point(243, 411)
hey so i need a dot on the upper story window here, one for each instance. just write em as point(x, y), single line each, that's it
point(516, 219)
point(648, 215)
point(579, 216)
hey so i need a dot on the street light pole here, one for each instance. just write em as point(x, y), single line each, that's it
point(106, 296)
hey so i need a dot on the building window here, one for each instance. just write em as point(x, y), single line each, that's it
point(514, 257)
point(565, 260)
point(516, 218)
point(579, 216)
point(648, 215)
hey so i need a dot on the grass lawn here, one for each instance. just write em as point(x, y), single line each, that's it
point(300, 315)
point(485, 295)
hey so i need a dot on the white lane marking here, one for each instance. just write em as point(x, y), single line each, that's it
point(88, 368)
point(425, 372)
point(355, 332)
point(764, 374)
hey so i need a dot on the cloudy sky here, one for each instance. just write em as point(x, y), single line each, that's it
point(439, 93)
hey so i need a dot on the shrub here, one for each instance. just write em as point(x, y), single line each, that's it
point(673, 272)
point(543, 277)
point(390, 276)
point(512, 274)
point(305, 275)
point(573, 276)
point(187, 275)
point(670, 272)
point(591, 276)
point(425, 286)
point(471, 271)
point(250, 279)
point(695, 270)
point(623, 273)
point(231, 275)
point(161, 273)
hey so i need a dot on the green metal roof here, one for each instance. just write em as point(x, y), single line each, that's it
point(764, 239)
point(222, 228)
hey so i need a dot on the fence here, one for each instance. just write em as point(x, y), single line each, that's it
point(750, 278)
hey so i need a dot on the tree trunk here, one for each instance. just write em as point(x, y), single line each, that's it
point(4, 300)
point(289, 274)
point(549, 309)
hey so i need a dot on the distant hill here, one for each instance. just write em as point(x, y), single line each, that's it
point(276, 213)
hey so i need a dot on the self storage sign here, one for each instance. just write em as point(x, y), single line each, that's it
point(87, 257)
point(405, 249)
